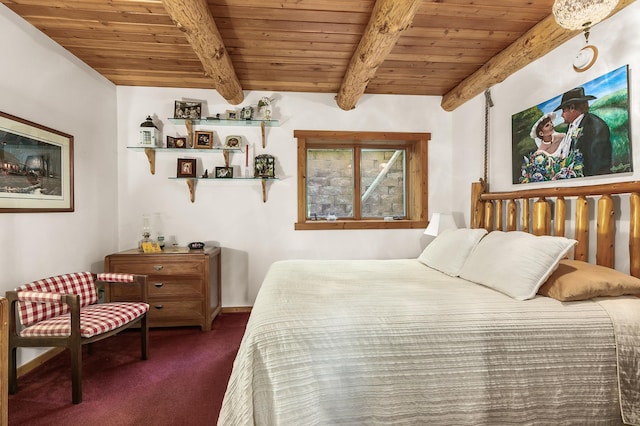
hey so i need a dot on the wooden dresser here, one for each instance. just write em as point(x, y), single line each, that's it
point(184, 285)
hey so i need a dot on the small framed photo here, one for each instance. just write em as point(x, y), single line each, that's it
point(203, 139)
point(233, 141)
point(232, 114)
point(186, 168)
point(184, 109)
point(224, 172)
point(179, 142)
point(246, 113)
point(264, 166)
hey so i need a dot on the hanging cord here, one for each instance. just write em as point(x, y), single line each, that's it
point(488, 103)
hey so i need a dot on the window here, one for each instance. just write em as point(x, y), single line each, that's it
point(361, 180)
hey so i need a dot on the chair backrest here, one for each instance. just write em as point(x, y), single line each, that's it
point(80, 283)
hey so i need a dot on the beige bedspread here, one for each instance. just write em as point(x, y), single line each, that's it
point(395, 342)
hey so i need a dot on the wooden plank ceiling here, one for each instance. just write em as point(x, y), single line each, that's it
point(305, 45)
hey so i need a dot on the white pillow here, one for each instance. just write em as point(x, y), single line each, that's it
point(448, 252)
point(515, 263)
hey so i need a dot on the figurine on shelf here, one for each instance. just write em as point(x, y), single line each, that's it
point(264, 104)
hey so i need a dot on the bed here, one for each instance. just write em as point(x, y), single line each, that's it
point(452, 337)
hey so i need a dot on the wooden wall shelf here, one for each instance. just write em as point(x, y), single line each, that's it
point(191, 184)
point(189, 123)
point(151, 153)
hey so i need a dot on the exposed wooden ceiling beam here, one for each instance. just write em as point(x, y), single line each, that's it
point(389, 19)
point(195, 20)
point(537, 42)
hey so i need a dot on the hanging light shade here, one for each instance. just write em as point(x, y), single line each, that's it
point(581, 14)
point(440, 222)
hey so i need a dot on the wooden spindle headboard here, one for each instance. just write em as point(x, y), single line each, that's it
point(499, 211)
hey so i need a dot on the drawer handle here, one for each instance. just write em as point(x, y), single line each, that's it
point(159, 306)
point(158, 285)
point(158, 267)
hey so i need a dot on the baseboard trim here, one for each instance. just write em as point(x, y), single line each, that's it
point(38, 361)
point(236, 309)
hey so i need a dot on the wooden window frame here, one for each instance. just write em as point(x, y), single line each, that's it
point(416, 175)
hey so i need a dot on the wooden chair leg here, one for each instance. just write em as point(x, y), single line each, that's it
point(13, 372)
point(76, 374)
point(144, 336)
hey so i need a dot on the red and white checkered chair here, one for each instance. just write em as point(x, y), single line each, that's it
point(63, 311)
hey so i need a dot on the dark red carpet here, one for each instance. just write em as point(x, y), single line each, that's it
point(182, 383)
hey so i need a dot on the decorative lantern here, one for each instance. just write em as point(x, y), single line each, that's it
point(264, 166)
point(149, 133)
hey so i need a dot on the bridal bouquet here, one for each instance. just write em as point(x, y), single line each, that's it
point(541, 167)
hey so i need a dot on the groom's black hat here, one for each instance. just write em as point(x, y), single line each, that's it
point(573, 96)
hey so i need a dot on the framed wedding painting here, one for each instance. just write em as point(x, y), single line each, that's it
point(582, 132)
point(36, 167)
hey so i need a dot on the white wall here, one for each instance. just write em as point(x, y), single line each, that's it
point(44, 83)
point(467, 145)
point(254, 234)
point(618, 43)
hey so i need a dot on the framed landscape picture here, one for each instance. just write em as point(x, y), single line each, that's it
point(36, 167)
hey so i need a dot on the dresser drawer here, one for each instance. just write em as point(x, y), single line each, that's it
point(159, 267)
point(175, 311)
point(125, 293)
point(167, 288)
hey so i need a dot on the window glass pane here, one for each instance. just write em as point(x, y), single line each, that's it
point(382, 179)
point(329, 182)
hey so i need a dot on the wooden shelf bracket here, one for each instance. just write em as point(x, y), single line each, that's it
point(191, 183)
point(264, 190)
point(189, 125)
point(151, 156)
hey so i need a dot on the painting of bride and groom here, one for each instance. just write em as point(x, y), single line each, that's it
point(583, 132)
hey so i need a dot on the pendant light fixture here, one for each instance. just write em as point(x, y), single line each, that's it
point(582, 15)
